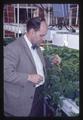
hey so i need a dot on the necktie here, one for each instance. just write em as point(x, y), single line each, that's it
point(34, 46)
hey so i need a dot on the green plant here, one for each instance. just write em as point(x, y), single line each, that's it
point(62, 79)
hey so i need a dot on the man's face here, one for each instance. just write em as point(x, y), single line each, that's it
point(39, 35)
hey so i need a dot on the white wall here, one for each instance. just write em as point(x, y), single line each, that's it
point(70, 40)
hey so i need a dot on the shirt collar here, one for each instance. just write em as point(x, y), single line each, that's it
point(33, 46)
point(28, 41)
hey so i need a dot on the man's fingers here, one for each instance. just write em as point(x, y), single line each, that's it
point(56, 59)
point(35, 78)
point(40, 77)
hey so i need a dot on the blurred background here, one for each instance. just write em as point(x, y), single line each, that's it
point(62, 20)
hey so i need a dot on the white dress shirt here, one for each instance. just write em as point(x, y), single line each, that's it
point(37, 60)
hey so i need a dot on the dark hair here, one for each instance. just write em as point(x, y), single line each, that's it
point(34, 23)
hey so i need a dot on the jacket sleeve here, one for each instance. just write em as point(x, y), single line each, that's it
point(11, 59)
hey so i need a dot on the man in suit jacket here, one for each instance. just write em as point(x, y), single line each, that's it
point(24, 72)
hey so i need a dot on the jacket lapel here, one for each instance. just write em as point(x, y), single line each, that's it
point(28, 52)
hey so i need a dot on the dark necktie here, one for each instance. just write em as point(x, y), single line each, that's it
point(34, 46)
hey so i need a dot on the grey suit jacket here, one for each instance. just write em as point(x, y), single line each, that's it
point(18, 91)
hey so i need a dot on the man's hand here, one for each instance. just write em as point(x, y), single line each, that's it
point(35, 78)
point(56, 60)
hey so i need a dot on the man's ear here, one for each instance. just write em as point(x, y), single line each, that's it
point(32, 32)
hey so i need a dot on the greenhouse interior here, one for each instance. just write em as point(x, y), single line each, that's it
point(61, 89)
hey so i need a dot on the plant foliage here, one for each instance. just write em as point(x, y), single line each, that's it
point(63, 79)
